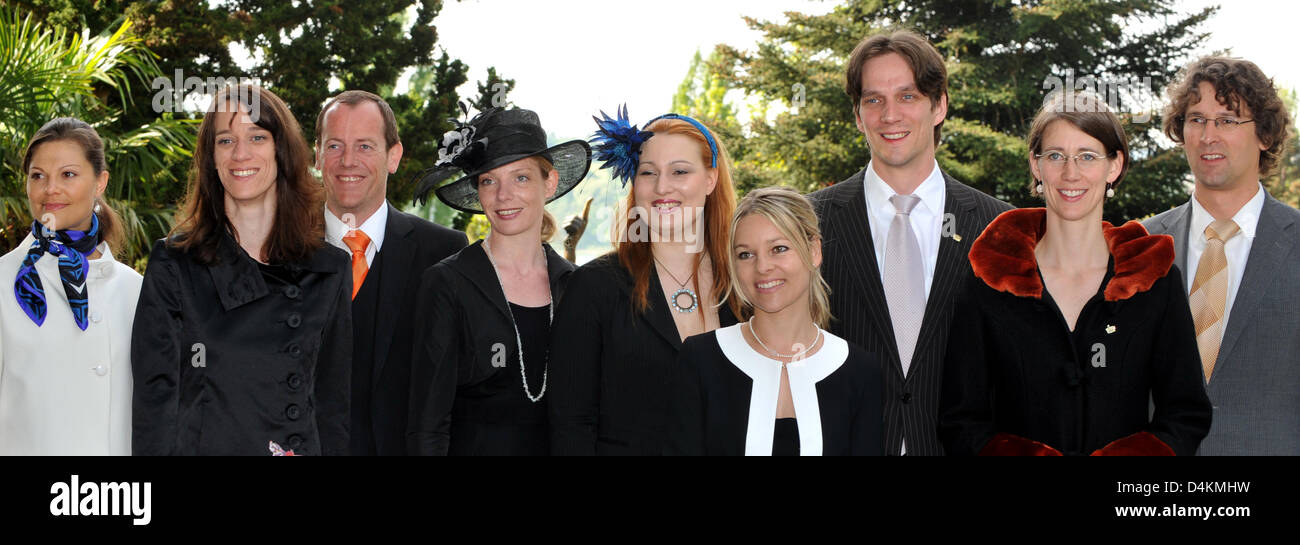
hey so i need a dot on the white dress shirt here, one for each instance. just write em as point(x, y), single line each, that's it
point(1236, 249)
point(64, 391)
point(927, 217)
point(373, 227)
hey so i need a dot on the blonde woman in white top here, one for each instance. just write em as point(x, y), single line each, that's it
point(777, 383)
point(65, 323)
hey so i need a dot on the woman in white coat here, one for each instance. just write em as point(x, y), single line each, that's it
point(65, 327)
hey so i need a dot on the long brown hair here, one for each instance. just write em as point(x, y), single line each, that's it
point(635, 256)
point(299, 226)
point(111, 229)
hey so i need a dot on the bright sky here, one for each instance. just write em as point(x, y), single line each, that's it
point(570, 58)
point(1263, 31)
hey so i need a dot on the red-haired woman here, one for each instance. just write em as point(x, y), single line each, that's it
point(619, 329)
point(245, 322)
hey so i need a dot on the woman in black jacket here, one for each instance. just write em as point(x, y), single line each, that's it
point(479, 375)
point(1071, 329)
point(777, 384)
point(242, 340)
point(617, 333)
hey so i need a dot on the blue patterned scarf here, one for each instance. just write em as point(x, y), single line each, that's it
point(73, 248)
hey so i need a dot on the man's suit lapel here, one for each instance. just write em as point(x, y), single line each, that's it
point(954, 246)
point(856, 258)
point(1274, 238)
point(398, 251)
point(1178, 224)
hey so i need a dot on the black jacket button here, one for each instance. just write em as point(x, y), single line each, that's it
point(294, 320)
point(292, 412)
point(292, 292)
point(295, 350)
point(906, 397)
point(295, 381)
point(295, 441)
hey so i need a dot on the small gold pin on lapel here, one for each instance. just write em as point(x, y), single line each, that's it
point(1110, 329)
point(956, 237)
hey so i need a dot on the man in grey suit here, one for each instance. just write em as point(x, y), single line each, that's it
point(896, 235)
point(1239, 250)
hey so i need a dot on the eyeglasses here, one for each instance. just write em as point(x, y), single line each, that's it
point(1085, 161)
point(1225, 124)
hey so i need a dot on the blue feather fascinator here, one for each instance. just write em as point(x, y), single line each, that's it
point(617, 142)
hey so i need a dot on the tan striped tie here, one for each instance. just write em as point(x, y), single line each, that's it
point(1209, 295)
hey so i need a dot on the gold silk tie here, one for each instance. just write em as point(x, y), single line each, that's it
point(358, 241)
point(1209, 296)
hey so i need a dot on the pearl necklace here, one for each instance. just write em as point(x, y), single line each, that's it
point(550, 306)
point(816, 339)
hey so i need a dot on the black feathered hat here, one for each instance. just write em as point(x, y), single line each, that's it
point(493, 138)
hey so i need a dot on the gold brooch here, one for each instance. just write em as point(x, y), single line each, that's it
point(956, 237)
point(1110, 329)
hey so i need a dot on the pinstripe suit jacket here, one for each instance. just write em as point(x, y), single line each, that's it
point(1255, 388)
point(861, 315)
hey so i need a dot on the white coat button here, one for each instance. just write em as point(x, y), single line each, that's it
point(100, 369)
point(96, 317)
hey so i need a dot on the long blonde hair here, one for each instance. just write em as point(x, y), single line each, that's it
point(795, 218)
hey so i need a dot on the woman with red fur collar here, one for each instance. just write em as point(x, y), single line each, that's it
point(1071, 327)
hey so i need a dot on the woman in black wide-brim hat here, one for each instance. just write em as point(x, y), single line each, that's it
point(479, 375)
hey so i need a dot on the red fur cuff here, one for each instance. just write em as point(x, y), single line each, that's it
point(1005, 444)
point(1142, 443)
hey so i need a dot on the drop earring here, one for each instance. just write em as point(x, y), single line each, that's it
point(1038, 188)
point(1110, 191)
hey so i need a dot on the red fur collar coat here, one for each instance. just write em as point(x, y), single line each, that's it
point(1017, 380)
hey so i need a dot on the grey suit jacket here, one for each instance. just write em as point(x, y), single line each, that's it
point(861, 314)
point(1256, 383)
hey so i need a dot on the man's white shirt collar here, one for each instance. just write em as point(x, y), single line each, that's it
point(1247, 218)
point(374, 227)
point(931, 191)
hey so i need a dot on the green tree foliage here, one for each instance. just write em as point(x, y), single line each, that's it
point(47, 73)
point(423, 115)
point(305, 51)
point(1285, 186)
point(492, 92)
point(305, 46)
point(1001, 56)
point(704, 95)
point(188, 36)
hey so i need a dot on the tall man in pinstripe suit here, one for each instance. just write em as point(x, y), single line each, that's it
point(897, 234)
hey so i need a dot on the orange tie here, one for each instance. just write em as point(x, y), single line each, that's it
point(358, 241)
